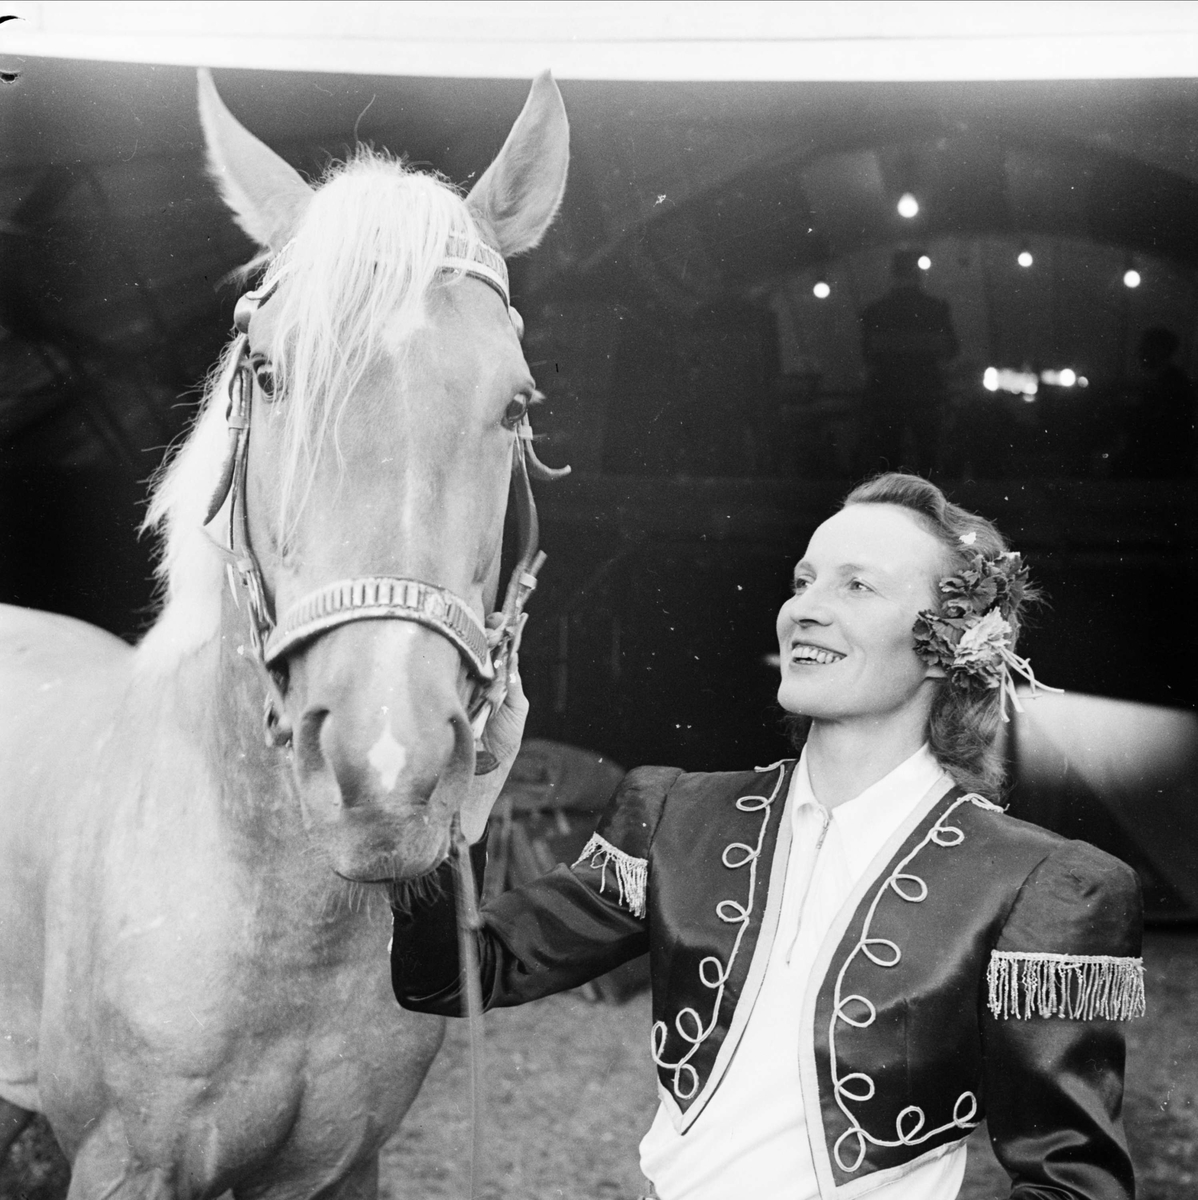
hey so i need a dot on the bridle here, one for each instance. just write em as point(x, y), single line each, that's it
point(487, 654)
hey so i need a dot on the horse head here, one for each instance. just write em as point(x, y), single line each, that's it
point(382, 364)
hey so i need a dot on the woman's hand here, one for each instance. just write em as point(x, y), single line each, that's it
point(502, 737)
point(505, 729)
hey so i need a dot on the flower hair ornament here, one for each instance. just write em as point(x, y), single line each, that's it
point(970, 637)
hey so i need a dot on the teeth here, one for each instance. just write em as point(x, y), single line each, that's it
point(814, 654)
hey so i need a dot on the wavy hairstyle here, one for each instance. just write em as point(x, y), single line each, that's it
point(964, 723)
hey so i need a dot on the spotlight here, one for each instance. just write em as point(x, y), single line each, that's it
point(1066, 377)
point(925, 263)
point(1131, 279)
point(1025, 258)
point(908, 206)
point(1018, 383)
point(821, 290)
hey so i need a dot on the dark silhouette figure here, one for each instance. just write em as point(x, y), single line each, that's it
point(1160, 431)
point(906, 337)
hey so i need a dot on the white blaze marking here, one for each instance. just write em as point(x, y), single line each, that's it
point(388, 757)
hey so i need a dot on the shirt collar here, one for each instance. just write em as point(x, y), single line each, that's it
point(866, 822)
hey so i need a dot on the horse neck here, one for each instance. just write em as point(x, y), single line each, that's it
point(216, 701)
point(227, 800)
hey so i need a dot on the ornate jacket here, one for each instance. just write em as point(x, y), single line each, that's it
point(980, 969)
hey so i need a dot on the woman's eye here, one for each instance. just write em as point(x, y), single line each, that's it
point(516, 410)
point(856, 585)
point(799, 585)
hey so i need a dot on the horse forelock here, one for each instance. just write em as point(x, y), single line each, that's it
point(370, 246)
point(359, 267)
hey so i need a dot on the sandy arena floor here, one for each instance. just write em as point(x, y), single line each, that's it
point(570, 1092)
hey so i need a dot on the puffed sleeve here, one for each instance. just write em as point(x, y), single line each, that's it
point(1063, 978)
point(571, 925)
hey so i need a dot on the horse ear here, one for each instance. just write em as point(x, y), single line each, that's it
point(519, 194)
point(266, 194)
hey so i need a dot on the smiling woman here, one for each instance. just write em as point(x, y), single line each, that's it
point(882, 558)
point(856, 956)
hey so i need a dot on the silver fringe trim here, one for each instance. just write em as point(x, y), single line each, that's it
point(632, 874)
point(1076, 987)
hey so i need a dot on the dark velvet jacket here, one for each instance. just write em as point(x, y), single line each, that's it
point(981, 968)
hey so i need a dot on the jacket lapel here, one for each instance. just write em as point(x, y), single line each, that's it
point(813, 1041)
point(734, 893)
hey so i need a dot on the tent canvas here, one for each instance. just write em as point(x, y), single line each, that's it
point(1122, 775)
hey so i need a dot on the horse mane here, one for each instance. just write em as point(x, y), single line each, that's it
point(358, 268)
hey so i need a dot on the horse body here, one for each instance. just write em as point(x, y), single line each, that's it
point(211, 1008)
point(193, 987)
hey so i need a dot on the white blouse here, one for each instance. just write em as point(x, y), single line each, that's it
point(751, 1138)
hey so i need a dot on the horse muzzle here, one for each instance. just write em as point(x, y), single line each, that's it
point(382, 745)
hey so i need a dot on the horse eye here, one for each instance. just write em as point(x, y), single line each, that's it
point(266, 379)
point(516, 410)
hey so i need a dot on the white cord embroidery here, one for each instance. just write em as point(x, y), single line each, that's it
point(882, 952)
point(712, 973)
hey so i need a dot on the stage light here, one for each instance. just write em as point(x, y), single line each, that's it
point(908, 206)
point(1131, 279)
point(924, 262)
point(1066, 377)
point(1017, 383)
point(1025, 258)
point(821, 290)
point(1082, 381)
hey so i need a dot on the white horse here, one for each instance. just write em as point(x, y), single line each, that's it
point(194, 980)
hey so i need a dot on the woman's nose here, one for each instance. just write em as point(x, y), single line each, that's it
point(806, 608)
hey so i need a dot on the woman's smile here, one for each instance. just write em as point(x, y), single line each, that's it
point(810, 654)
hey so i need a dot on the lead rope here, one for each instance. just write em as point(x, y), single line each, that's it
point(469, 922)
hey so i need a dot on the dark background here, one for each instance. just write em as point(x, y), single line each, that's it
point(708, 402)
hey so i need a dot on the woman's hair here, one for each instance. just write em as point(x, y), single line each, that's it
point(964, 723)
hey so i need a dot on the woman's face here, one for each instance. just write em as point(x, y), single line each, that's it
point(845, 635)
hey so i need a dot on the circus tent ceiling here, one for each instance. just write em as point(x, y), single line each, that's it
point(108, 218)
point(115, 245)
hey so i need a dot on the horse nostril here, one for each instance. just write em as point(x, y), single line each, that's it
point(309, 752)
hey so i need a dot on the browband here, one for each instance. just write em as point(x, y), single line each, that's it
point(481, 262)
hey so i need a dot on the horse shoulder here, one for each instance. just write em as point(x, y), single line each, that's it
point(61, 680)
